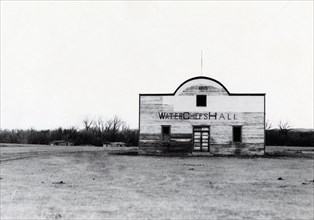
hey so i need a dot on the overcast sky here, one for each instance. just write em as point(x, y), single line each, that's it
point(64, 61)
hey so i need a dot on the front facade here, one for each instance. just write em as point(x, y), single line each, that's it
point(202, 116)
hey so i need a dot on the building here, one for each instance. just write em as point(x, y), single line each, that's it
point(62, 143)
point(114, 144)
point(202, 116)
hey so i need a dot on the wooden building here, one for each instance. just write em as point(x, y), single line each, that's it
point(62, 143)
point(114, 144)
point(202, 116)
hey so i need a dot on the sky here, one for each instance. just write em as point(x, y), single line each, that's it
point(62, 62)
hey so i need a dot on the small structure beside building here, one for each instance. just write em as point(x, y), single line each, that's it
point(62, 143)
point(114, 144)
point(202, 116)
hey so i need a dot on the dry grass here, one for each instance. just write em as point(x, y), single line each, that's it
point(96, 185)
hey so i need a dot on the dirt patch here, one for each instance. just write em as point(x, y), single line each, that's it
point(59, 182)
point(91, 184)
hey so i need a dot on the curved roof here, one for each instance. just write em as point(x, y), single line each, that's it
point(201, 77)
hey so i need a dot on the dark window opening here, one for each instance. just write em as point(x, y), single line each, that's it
point(237, 133)
point(165, 132)
point(201, 100)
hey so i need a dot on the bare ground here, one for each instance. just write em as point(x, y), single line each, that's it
point(48, 182)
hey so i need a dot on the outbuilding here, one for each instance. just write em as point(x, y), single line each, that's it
point(202, 116)
point(62, 143)
point(114, 144)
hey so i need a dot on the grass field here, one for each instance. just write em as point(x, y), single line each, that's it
point(54, 182)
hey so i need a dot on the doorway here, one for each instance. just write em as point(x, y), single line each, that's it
point(201, 138)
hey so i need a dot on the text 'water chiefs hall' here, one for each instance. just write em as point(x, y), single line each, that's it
point(202, 116)
point(196, 116)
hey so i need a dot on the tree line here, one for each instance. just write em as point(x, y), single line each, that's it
point(284, 135)
point(94, 132)
point(98, 131)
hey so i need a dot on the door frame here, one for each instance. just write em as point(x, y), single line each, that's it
point(193, 131)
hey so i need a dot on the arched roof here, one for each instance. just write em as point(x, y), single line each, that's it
point(213, 81)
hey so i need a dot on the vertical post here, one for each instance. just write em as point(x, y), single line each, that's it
point(201, 62)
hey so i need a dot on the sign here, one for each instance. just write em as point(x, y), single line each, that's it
point(196, 116)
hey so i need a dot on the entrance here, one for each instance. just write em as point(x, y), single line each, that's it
point(201, 138)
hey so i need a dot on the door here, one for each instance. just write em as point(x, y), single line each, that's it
point(201, 138)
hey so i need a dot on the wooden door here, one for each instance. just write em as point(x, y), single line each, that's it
point(201, 138)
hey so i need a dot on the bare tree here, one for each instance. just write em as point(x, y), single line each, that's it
point(117, 123)
point(108, 125)
point(284, 127)
point(113, 126)
point(88, 123)
point(268, 125)
point(125, 127)
point(99, 124)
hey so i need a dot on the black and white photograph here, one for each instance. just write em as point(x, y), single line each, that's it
point(156, 110)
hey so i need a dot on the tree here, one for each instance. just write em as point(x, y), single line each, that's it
point(100, 124)
point(268, 125)
point(284, 126)
point(88, 123)
point(117, 123)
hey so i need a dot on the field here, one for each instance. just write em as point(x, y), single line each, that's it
point(55, 182)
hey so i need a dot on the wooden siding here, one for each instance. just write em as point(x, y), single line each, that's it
point(216, 103)
point(237, 149)
point(207, 90)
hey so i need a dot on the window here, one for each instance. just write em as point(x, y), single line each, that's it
point(165, 132)
point(237, 133)
point(201, 100)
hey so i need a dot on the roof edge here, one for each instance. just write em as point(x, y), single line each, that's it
point(202, 77)
point(230, 94)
